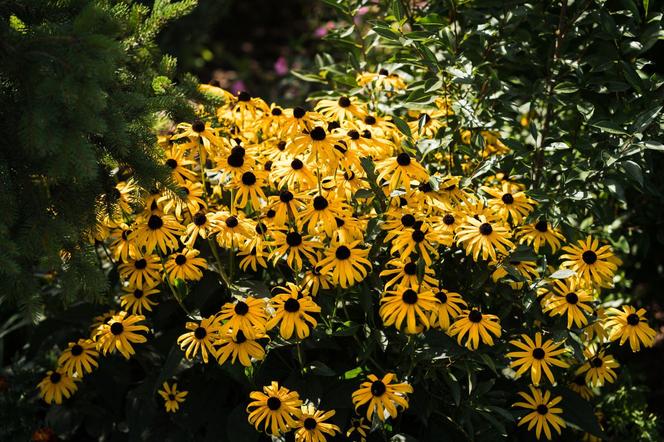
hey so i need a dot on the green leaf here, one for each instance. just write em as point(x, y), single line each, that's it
point(402, 126)
point(645, 118)
point(562, 274)
point(646, 3)
point(610, 127)
point(633, 170)
point(311, 78)
point(653, 145)
point(580, 413)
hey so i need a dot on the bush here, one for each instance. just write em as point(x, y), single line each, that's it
point(435, 246)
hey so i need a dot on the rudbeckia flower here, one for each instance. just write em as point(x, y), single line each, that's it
point(476, 326)
point(536, 355)
point(172, 397)
point(79, 358)
point(630, 324)
point(592, 262)
point(276, 407)
point(56, 386)
point(293, 308)
point(345, 264)
point(405, 304)
point(544, 412)
point(202, 337)
point(382, 395)
point(311, 427)
point(119, 333)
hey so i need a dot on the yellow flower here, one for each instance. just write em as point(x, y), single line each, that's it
point(185, 265)
point(598, 367)
point(448, 307)
point(238, 346)
point(544, 412)
point(119, 333)
point(570, 298)
point(247, 315)
point(590, 261)
point(201, 338)
point(382, 395)
point(509, 204)
point(144, 271)
point(484, 236)
point(630, 324)
point(399, 171)
point(277, 407)
point(79, 358)
point(415, 307)
point(311, 427)
point(345, 264)
point(136, 299)
point(476, 325)
point(293, 312)
point(536, 355)
point(57, 385)
point(539, 234)
point(155, 230)
point(172, 397)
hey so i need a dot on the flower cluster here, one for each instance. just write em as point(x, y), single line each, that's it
point(321, 200)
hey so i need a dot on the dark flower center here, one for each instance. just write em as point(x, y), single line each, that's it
point(270, 213)
point(508, 198)
point(241, 308)
point(378, 388)
point(235, 160)
point(286, 196)
point(155, 222)
point(410, 268)
point(171, 163)
point(342, 253)
point(442, 297)
point(76, 350)
point(320, 203)
point(180, 259)
point(277, 111)
point(541, 226)
point(572, 298)
point(409, 297)
point(486, 229)
point(408, 220)
point(310, 423)
point(349, 175)
point(366, 134)
point(55, 377)
point(261, 228)
point(418, 236)
point(597, 362)
point(117, 328)
point(633, 319)
point(138, 293)
point(268, 165)
point(542, 409)
point(425, 187)
point(200, 219)
point(448, 219)
point(240, 337)
point(296, 164)
point(248, 179)
point(340, 222)
point(281, 145)
point(125, 234)
point(538, 353)
point(232, 221)
point(273, 403)
point(171, 397)
point(353, 134)
point(140, 264)
point(291, 305)
point(370, 120)
point(333, 125)
point(344, 102)
point(403, 159)
point(402, 201)
point(317, 134)
point(198, 126)
point(589, 257)
point(244, 96)
point(298, 112)
point(293, 239)
point(384, 72)
point(475, 316)
point(200, 333)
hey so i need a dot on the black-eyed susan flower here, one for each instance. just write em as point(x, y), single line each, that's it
point(199, 131)
point(252, 257)
point(185, 265)
point(120, 332)
point(57, 385)
point(509, 203)
point(381, 80)
point(232, 230)
point(277, 408)
point(358, 430)
point(485, 237)
point(293, 308)
point(314, 279)
point(448, 308)
point(630, 324)
point(247, 315)
point(233, 163)
point(345, 264)
point(286, 205)
point(342, 109)
point(143, 271)
point(405, 306)
point(536, 355)
point(122, 248)
point(135, 299)
point(180, 166)
point(235, 345)
point(201, 339)
point(421, 239)
point(319, 144)
point(293, 173)
point(399, 171)
point(321, 213)
point(293, 245)
point(544, 412)
point(312, 425)
point(406, 273)
point(157, 230)
point(598, 367)
point(571, 299)
point(79, 357)
point(381, 396)
point(476, 326)
point(592, 263)
point(539, 234)
point(172, 397)
point(249, 188)
point(187, 201)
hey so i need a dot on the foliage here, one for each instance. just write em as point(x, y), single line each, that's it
point(81, 83)
point(553, 104)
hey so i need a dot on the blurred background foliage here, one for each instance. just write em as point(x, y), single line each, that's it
point(578, 85)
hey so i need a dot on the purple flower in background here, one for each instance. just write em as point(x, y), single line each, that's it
point(281, 66)
point(323, 30)
point(238, 86)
